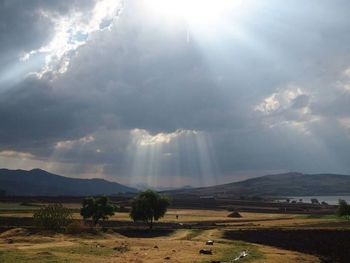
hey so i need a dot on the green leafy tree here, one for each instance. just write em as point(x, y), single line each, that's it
point(52, 217)
point(149, 206)
point(343, 208)
point(97, 208)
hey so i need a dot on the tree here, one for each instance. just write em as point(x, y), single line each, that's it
point(52, 217)
point(97, 208)
point(149, 206)
point(343, 208)
point(314, 201)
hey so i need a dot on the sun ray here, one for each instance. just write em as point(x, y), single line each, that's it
point(166, 157)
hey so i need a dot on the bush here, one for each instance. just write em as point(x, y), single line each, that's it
point(234, 214)
point(343, 208)
point(52, 217)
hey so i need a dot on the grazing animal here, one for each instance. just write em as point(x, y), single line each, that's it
point(205, 251)
point(209, 242)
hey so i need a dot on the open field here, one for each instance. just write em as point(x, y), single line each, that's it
point(173, 240)
point(178, 246)
point(197, 216)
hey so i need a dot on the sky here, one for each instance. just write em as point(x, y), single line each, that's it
point(170, 93)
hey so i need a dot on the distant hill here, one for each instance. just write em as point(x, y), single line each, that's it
point(143, 186)
point(39, 182)
point(288, 184)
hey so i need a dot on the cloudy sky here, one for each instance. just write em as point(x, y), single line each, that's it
point(171, 93)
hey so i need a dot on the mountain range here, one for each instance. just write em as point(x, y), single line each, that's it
point(41, 183)
point(38, 182)
point(287, 184)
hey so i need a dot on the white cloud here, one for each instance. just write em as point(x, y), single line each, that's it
point(71, 32)
point(281, 99)
point(269, 104)
point(18, 155)
point(344, 84)
point(288, 107)
point(144, 138)
point(347, 72)
point(345, 123)
point(69, 144)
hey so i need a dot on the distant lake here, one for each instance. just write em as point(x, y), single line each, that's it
point(331, 200)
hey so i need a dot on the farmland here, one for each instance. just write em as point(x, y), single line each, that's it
point(177, 237)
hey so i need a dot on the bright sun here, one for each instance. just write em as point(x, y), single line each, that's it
point(193, 11)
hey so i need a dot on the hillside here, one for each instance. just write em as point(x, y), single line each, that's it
point(288, 184)
point(39, 182)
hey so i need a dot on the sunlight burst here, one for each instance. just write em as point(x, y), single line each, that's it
point(168, 158)
point(193, 11)
point(71, 32)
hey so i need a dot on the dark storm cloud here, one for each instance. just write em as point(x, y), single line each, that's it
point(153, 80)
point(22, 27)
point(275, 101)
point(33, 116)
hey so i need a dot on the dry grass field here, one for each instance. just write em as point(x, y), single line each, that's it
point(187, 215)
point(181, 245)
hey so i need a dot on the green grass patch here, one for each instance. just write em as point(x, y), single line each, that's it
point(320, 217)
point(18, 207)
point(15, 256)
point(86, 250)
point(230, 254)
point(71, 254)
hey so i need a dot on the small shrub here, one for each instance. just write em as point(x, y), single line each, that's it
point(234, 214)
point(52, 217)
point(343, 208)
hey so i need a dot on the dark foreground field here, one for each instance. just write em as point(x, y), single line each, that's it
point(280, 237)
point(329, 245)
